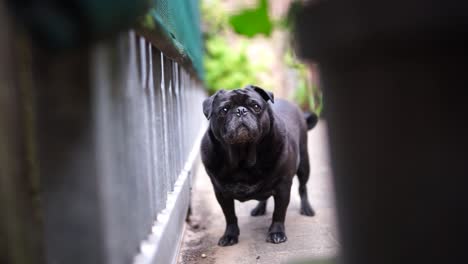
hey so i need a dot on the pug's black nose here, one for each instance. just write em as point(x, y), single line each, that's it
point(241, 111)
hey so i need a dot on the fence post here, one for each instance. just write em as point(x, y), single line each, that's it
point(20, 220)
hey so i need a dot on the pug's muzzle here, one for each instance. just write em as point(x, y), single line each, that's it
point(241, 127)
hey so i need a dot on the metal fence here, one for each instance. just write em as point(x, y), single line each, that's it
point(145, 136)
point(114, 135)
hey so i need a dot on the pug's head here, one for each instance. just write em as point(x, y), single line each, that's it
point(239, 116)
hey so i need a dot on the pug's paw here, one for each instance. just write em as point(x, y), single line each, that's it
point(259, 210)
point(276, 237)
point(228, 240)
point(307, 210)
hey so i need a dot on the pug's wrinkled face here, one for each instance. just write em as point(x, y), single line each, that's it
point(239, 116)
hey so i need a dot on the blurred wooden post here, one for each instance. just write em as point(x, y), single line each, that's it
point(20, 227)
point(393, 76)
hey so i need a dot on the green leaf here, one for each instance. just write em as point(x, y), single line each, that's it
point(251, 22)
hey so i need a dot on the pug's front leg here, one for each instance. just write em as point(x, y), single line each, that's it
point(277, 232)
point(231, 234)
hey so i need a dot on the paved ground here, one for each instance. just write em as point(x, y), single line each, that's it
point(308, 237)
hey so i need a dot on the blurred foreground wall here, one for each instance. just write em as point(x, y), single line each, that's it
point(393, 75)
point(97, 148)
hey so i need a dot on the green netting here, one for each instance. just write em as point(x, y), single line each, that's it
point(61, 25)
point(174, 27)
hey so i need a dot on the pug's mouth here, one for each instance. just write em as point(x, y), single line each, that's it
point(241, 135)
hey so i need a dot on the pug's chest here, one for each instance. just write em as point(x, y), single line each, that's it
point(246, 185)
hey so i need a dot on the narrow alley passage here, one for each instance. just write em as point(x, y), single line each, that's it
point(308, 238)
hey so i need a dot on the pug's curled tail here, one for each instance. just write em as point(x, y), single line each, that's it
point(311, 120)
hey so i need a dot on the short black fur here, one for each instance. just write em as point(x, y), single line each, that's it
point(251, 150)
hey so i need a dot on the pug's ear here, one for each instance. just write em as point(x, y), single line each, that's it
point(208, 104)
point(207, 107)
point(266, 95)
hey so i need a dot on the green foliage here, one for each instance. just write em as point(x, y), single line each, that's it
point(227, 67)
point(251, 22)
point(214, 18)
point(147, 21)
point(306, 95)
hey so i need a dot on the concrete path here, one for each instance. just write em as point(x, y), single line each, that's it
point(309, 238)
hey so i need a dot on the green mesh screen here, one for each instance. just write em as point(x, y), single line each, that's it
point(180, 22)
point(171, 25)
point(61, 25)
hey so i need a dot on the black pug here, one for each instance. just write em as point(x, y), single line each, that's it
point(251, 150)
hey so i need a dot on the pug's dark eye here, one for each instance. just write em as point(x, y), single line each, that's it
point(256, 107)
point(225, 109)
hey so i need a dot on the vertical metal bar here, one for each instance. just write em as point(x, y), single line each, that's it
point(180, 143)
point(194, 115)
point(183, 110)
point(188, 111)
point(144, 59)
point(123, 143)
point(158, 127)
point(133, 176)
point(181, 116)
point(180, 157)
point(192, 102)
point(140, 122)
point(168, 117)
point(189, 106)
point(153, 133)
point(173, 149)
point(164, 161)
point(175, 116)
point(175, 138)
